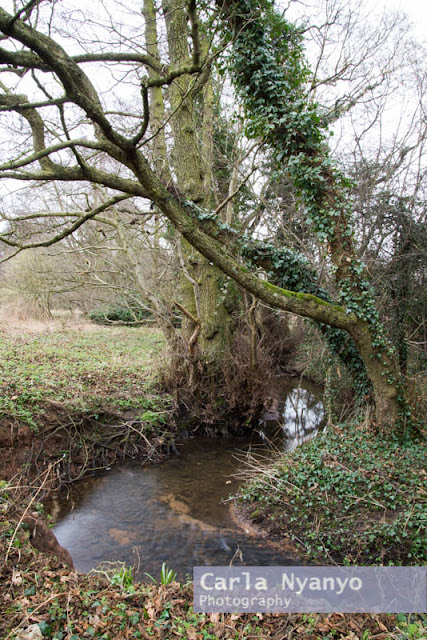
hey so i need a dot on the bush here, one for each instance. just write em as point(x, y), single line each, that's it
point(129, 316)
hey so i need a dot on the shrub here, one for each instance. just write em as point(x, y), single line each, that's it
point(128, 316)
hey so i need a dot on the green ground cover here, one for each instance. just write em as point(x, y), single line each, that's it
point(84, 371)
point(350, 496)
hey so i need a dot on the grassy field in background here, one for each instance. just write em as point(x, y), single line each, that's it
point(82, 368)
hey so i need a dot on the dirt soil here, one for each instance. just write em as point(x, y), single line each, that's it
point(37, 590)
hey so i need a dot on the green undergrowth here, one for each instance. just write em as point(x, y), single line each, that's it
point(349, 495)
point(39, 597)
point(91, 371)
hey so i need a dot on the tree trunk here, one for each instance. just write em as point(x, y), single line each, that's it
point(201, 282)
point(181, 208)
point(383, 372)
point(381, 367)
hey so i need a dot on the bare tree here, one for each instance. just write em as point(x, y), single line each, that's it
point(88, 111)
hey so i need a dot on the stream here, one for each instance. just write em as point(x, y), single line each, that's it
point(178, 512)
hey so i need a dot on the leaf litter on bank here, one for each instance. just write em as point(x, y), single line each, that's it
point(36, 589)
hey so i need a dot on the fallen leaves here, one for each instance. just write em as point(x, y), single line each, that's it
point(37, 589)
point(16, 578)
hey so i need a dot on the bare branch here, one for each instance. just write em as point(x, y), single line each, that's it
point(43, 153)
point(67, 231)
point(77, 85)
point(232, 195)
point(26, 10)
point(195, 37)
point(36, 123)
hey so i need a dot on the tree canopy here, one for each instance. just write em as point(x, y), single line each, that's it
point(72, 128)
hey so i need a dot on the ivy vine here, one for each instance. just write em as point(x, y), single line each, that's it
point(291, 270)
point(269, 71)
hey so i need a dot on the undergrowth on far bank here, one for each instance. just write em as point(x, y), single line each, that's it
point(349, 495)
point(83, 371)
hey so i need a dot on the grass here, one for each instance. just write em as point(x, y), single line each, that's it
point(323, 486)
point(349, 496)
point(85, 371)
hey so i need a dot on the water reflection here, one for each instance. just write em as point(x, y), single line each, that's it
point(303, 415)
point(289, 423)
point(177, 512)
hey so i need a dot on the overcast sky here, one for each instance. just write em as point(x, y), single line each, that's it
point(416, 10)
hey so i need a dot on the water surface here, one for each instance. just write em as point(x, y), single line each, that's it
point(177, 512)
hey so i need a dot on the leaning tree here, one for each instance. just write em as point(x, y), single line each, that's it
point(67, 123)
